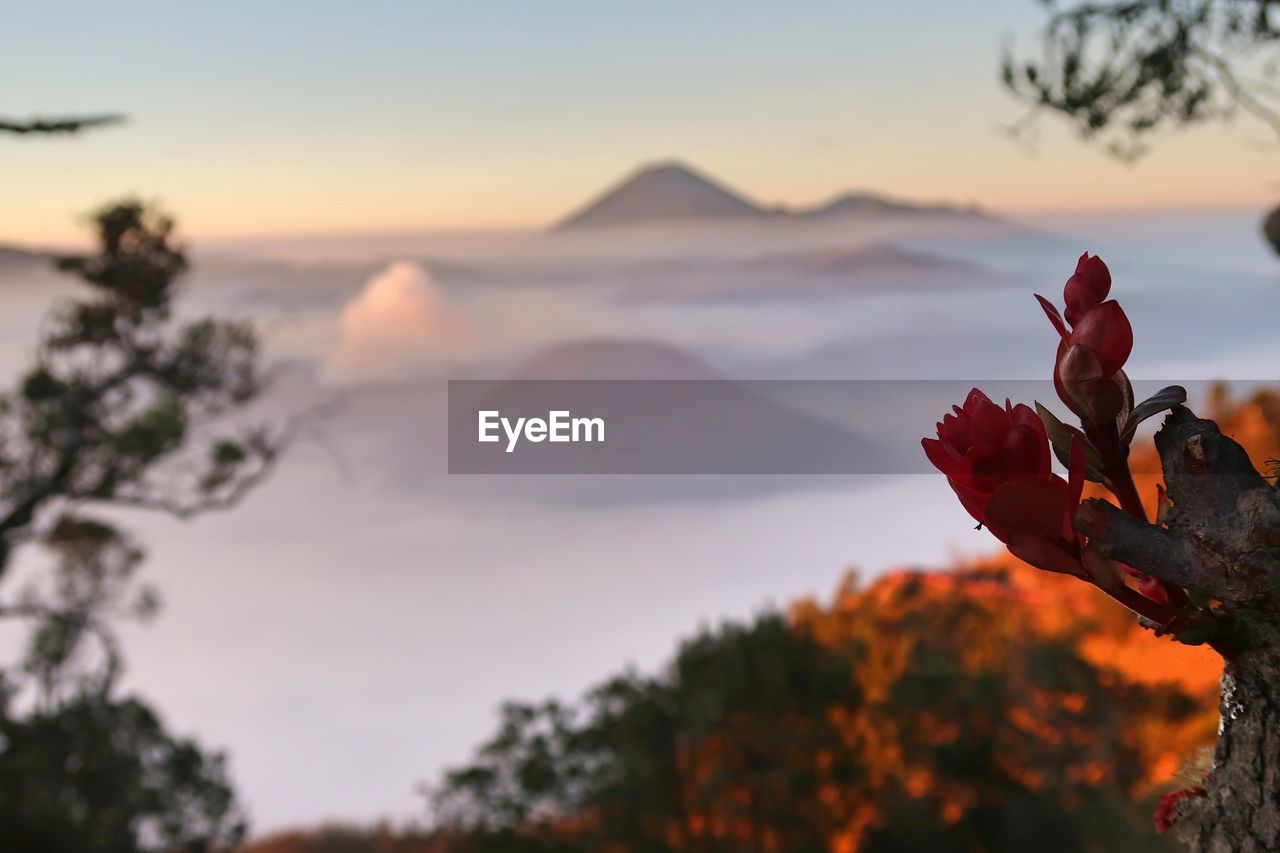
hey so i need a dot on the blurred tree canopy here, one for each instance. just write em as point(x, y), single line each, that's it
point(972, 710)
point(1124, 70)
point(337, 838)
point(125, 406)
point(98, 774)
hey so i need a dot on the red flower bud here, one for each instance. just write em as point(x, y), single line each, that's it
point(1167, 811)
point(1092, 353)
point(1155, 590)
point(1087, 288)
point(1099, 341)
point(1105, 331)
point(1080, 383)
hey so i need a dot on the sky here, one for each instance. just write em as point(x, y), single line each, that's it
point(293, 118)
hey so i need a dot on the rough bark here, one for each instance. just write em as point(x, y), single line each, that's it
point(1222, 539)
point(1241, 813)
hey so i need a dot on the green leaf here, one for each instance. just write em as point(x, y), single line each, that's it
point(1199, 599)
point(226, 453)
point(1104, 397)
point(1166, 398)
point(1060, 436)
point(1126, 393)
point(40, 385)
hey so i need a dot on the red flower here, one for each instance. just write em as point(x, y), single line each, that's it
point(1096, 346)
point(997, 462)
point(1167, 811)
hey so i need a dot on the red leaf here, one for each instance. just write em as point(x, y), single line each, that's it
point(1167, 811)
point(974, 503)
point(1055, 318)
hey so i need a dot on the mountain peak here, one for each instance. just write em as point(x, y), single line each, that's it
point(673, 166)
point(876, 204)
point(671, 191)
point(662, 191)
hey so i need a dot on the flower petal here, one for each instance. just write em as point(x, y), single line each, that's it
point(1105, 331)
point(1024, 451)
point(1024, 414)
point(954, 430)
point(973, 500)
point(988, 422)
point(1043, 553)
point(943, 457)
point(974, 399)
point(1030, 506)
point(1075, 487)
point(1076, 365)
point(984, 468)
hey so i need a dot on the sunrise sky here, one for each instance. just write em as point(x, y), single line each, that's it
point(317, 117)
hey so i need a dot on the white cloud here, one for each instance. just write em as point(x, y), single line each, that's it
point(400, 321)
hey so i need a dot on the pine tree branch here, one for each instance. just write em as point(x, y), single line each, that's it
point(66, 124)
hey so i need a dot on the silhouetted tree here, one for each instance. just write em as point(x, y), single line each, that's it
point(1124, 70)
point(124, 407)
point(96, 774)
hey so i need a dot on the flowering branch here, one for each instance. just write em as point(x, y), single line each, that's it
point(1205, 570)
point(998, 462)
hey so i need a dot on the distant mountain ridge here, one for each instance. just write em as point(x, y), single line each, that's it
point(855, 204)
point(15, 255)
point(673, 191)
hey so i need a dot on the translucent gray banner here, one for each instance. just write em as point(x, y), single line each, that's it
point(758, 427)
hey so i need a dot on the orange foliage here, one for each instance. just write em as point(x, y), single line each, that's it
point(988, 610)
point(345, 839)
